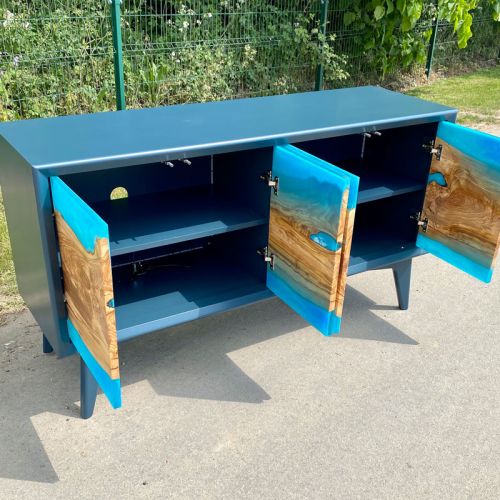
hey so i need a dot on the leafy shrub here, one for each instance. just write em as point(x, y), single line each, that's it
point(56, 56)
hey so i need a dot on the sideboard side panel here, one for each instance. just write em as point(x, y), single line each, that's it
point(27, 205)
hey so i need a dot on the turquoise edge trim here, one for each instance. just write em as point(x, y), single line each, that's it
point(327, 322)
point(353, 179)
point(455, 259)
point(483, 147)
point(111, 388)
point(84, 222)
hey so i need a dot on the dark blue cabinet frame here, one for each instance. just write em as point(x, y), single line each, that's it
point(224, 145)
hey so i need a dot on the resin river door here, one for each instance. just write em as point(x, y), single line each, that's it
point(461, 215)
point(310, 232)
point(88, 287)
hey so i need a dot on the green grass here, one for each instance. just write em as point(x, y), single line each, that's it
point(476, 95)
point(10, 301)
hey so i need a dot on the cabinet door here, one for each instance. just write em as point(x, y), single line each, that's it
point(88, 286)
point(310, 231)
point(461, 214)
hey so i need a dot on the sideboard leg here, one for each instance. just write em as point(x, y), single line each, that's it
point(46, 347)
point(88, 391)
point(402, 277)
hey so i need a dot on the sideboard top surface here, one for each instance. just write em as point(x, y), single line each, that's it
point(104, 140)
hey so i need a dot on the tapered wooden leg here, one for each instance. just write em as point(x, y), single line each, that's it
point(46, 347)
point(402, 278)
point(88, 391)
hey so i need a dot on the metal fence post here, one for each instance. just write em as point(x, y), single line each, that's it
point(117, 53)
point(432, 42)
point(320, 70)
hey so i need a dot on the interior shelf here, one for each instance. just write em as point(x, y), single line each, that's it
point(150, 221)
point(375, 185)
point(175, 293)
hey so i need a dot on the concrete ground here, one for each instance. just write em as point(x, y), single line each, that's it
point(256, 404)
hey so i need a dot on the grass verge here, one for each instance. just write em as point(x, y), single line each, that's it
point(476, 95)
point(10, 301)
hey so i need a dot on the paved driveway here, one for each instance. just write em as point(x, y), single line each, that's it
point(256, 404)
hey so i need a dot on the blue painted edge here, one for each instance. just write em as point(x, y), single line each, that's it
point(111, 388)
point(353, 179)
point(327, 322)
point(84, 222)
point(454, 258)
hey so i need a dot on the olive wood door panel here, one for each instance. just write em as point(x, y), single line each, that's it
point(88, 286)
point(310, 230)
point(461, 213)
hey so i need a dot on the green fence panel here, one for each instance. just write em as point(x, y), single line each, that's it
point(63, 56)
point(56, 58)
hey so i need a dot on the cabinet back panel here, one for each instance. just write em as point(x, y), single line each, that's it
point(140, 179)
point(389, 217)
point(399, 151)
point(340, 151)
point(239, 247)
point(237, 177)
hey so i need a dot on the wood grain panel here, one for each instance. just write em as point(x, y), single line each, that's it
point(88, 287)
point(301, 262)
point(344, 262)
point(462, 205)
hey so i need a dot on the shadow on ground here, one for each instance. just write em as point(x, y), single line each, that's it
point(188, 361)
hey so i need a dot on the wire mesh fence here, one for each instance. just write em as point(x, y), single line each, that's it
point(214, 50)
point(57, 57)
point(483, 46)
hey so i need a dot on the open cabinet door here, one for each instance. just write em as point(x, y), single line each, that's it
point(460, 220)
point(88, 286)
point(310, 231)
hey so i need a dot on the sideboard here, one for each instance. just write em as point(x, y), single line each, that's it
point(224, 204)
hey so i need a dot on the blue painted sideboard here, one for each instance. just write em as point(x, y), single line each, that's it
point(229, 203)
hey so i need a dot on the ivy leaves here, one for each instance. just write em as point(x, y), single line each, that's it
point(389, 30)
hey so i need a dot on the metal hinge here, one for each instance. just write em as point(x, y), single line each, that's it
point(267, 177)
point(423, 223)
point(268, 257)
point(433, 150)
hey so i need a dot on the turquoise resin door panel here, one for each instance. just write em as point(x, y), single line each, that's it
point(310, 231)
point(88, 286)
point(462, 201)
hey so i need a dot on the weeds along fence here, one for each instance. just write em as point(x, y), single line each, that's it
point(73, 56)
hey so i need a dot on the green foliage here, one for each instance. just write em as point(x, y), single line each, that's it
point(56, 56)
point(54, 62)
point(10, 301)
point(264, 49)
point(397, 32)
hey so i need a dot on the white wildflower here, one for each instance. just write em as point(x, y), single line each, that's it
point(9, 18)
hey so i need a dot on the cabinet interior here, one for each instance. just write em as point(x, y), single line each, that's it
point(184, 241)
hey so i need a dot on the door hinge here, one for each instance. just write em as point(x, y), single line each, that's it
point(423, 223)
point(437, 151)
point(268, 257)
point(267, 177)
